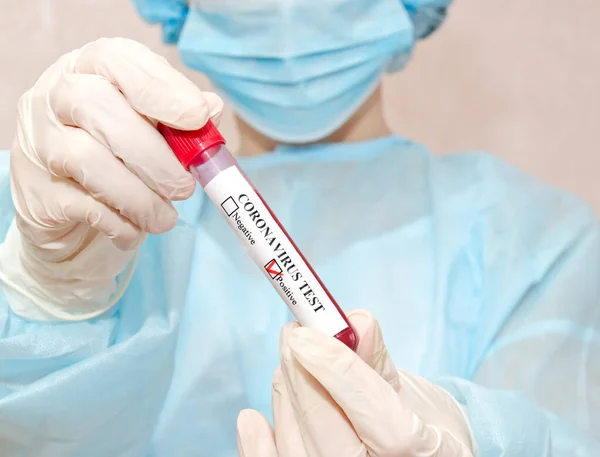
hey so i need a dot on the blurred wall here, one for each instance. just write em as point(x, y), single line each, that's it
point(518, 78)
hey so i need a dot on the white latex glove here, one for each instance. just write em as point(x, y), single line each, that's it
point(90, 175)
point(331, 402)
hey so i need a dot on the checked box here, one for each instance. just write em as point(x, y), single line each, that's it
point(229, 206)
point(274, 269)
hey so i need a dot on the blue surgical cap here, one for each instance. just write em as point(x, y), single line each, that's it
point(427, 15)
point(170, 14)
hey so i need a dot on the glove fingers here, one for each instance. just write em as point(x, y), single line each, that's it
point(437, 406)
point(49, 220)
point(215, 107)
point(151, 86)
point(449, 446)
point(254, 435)
point(107, 179)
point(371, 347)
point(372, 406)
point(287, 431)
point(93, 104)
point(325, 429)
point(86, 209)
point(288, 435)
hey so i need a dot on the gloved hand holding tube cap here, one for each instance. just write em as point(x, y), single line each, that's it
point(204, 154)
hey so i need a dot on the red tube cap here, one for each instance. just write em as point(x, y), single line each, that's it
point(188, 145)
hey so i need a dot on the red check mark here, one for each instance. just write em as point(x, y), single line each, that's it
point(271, 271)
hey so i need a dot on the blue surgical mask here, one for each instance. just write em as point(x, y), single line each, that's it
point(296, 70)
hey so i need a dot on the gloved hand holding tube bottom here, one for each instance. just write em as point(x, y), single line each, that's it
point(329, 401)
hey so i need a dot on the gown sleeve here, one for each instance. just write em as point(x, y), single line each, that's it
point(532, 384)
point(93, 388)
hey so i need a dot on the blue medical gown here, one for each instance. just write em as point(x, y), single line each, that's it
point(483, 279)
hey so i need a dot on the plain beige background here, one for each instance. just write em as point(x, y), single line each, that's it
point(519, 78)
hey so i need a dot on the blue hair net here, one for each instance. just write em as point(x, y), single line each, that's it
point(170, 14)
point(427, 15)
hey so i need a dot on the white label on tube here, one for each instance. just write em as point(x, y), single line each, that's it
point(273, 253)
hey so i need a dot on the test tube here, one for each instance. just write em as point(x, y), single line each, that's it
point(203, 152)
